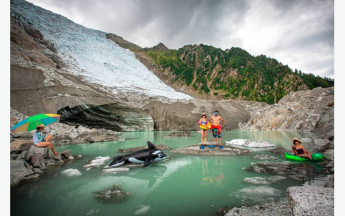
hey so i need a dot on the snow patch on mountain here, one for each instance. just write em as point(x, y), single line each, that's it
point(88, 53)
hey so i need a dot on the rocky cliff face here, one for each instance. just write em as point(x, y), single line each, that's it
point(311, 110)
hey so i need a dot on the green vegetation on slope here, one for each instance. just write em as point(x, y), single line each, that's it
point(232, 73)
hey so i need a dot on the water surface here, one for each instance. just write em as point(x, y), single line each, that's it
point(182, 185)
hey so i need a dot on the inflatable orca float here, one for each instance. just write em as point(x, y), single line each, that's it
point(145, 157)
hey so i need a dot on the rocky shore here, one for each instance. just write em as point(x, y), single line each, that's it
point(29, 162)
point(305, 200)
point(307, 110)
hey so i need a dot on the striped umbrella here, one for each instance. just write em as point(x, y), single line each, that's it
point(32, 122)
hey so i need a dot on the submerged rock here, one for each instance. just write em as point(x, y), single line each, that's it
point(115, 194)
point(142, 209)
point(279, 208)
point(134, 149)
point(265, 157)
point(259, 194)
point(311, 200)
point(250, 143)
point(178, 134)
point(115, 170)
point(263, 180)
point(195, 150)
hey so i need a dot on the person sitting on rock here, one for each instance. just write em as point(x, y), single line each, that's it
point(299, 150)
point(41, 141)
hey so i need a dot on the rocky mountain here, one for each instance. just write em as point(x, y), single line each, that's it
point(208, 72)
point(87, 76)
point(310, 110)
point(50, 73)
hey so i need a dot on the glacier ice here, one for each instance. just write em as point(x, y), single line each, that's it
point(89, 54)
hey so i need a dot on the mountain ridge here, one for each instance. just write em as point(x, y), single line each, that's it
point(207, 72)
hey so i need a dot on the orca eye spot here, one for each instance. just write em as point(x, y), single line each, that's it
point(160, 155)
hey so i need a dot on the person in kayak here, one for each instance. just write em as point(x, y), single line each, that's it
point(216, 127)
point(203, 121)
point(299, 150)
point(41, 141)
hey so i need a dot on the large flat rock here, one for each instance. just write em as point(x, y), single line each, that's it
point(195, 150)
point(311, 200)
point(134, 149)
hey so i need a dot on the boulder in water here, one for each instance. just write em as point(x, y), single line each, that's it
point(115, 194)
point(71, 172)
point(115, 170)
point(259, 194)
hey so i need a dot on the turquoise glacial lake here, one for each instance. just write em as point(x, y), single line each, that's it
point(182, 185)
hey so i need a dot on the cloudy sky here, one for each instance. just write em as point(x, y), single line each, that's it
point(295, 32)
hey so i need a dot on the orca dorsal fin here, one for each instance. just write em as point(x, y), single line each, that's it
point(151, 146)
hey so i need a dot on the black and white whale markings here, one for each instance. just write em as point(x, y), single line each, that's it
point(146, 157)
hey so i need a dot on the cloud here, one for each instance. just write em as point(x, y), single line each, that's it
point(297, 33)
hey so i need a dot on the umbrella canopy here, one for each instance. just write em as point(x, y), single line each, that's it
point(32, 122)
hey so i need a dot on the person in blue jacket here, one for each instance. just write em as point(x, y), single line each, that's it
point(41, 141)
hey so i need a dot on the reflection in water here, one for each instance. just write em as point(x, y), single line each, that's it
point(217, 176)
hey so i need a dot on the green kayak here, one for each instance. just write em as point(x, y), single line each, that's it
point(315, 157)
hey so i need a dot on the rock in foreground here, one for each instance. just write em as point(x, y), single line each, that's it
point(134, 149)
point(311, 200)
point(195, 150)
point(250, 143)
point(271, 209)
point(114, 194)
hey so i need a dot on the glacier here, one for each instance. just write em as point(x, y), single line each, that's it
point(90, 55)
